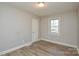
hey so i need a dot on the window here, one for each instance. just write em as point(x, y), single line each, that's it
point(54, 25)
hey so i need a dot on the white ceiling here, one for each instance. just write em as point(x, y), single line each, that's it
point(51, 9)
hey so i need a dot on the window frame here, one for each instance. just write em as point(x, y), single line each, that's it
point(56, 29)
point(49, 25)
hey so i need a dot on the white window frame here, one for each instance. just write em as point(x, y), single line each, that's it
point(56, 29)
point(49, 25)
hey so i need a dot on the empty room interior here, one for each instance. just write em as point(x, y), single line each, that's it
point(39, 28)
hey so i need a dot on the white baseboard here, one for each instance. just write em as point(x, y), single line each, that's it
point(59, 43)
point(35, 40)
point(78, 50)
point(18, 47)
point(13, 49)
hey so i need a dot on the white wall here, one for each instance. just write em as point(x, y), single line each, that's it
point(15, 27)
point(78, 27)
point(68, 28)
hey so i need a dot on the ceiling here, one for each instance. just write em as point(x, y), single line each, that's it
point(51, 9)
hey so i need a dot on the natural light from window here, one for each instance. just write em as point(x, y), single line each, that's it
point(54, 25)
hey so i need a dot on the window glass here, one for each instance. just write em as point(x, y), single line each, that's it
point(54, 25)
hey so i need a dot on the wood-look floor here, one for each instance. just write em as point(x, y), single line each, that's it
point(44, 48)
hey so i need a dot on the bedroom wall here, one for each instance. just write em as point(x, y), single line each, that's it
point(15, 27)
point(67, 28)
point(78, 27)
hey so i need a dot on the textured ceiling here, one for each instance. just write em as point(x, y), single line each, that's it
point(51, 9)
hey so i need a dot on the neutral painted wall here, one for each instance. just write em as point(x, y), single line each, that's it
point(78, 27)
point(67, 31)
point(15, 27)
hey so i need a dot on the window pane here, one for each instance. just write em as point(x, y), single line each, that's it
point(54, 25)
point(52, 22)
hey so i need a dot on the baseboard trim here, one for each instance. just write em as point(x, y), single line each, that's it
point(78, 50)
point(35, 40)
point(18, 47)
point(13, 49)
point(59, 43)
